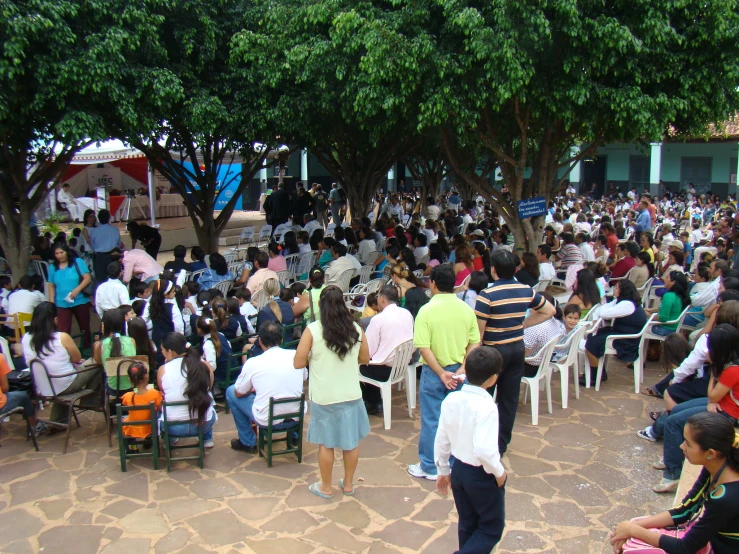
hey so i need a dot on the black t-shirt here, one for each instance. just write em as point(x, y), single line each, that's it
point(177, 265)
point(144, 233)
point(320, 200)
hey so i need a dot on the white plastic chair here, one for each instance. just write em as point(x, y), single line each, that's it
point(305, 262)
point(638, 363)
point(195, 275)
point(365, 274)
point(284, 277)
point(246, 237)
point(292, 261)
point(542, 374)
point(342, 279)
point(231, 257)
point(464, 286)
point(224, 286)
point(402, 353)
point(649, 335)
point(541, 286)
point(280, 230)
point(259, 299)
point(6, 352)
point(570, 361)
point(265, 233)
point(370, 257)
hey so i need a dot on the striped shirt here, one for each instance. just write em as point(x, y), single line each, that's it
point(569, 254)
point(503, 307)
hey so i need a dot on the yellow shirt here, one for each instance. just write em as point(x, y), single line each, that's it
point(447, 325)
point(332, 380)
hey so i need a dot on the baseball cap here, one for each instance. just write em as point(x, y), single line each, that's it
point(478, 233)
point(676, 244)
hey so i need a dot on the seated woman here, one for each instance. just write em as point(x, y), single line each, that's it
point(712, 505)
point(61, 356)
point(629, 318)
point(528, 271)
point(185, 377)
point(410, 290)
point(276, 309)
point(723, 388)
point(307, 304)
point(217, 272)
point(114, 345)
point(10, 400)
point(276, 260)
point(436, 257)
point(536, 337)
point(585, 292)
point(478, 282)
point(673, 303)
point(248, 268)
point(642, 271)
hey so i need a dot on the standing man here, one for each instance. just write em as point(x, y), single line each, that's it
point(643, 221)
point(445, 331)
point(320, 205)
point(277, 206)
point(103, 238)
point(303, 206)
point(336, 203)
point(69, 202)
point(500, 311)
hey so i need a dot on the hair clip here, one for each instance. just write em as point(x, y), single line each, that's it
point(208, 321)
point(205, 302)
point(117, 335)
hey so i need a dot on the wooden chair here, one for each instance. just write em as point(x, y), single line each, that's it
point(123, 441)
point(117, 367)
point(288, 332)
point(12, 322)
point(40, 374)
point(402, 357)
point(291, 423)
point(234, 363)
point(168, 447)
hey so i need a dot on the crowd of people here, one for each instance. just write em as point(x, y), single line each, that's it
point(479, 313)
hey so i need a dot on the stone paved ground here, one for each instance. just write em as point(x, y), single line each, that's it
point(573, 477)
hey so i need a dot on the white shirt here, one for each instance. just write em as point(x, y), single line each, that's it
point(693, 364)
point(365, 247)
point(271, 375)
point(546, 271)
point(419, 252)
point(587, 252)
point(339, 265)
point(468, 430)
point(354, 261)
point(65, 197)
point(614, 309)
point(23, 301)
point(696, 236)
point(110, 295)
point(432, 212)
point(386, 330)
point(430, 236)
point(311, 226)
point(707, 296)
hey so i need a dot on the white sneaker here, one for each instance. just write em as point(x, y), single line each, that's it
point(646, 434)
point(415, 471)
point(209, 444)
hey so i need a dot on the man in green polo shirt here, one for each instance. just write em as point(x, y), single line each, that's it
point(444, 331)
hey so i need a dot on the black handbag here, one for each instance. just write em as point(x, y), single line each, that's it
point(20, 381)
point(88, 290)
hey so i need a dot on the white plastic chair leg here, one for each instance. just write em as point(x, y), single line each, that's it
point(601, 366)
point(576, 379)
point(564, 384)
point(534, 405)
point(638, 376)
point(548, 383)
point(410, 389)
point(387, 394)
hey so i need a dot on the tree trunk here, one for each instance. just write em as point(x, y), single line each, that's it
point(359, 195)
point(15, 229)
point(208, 236)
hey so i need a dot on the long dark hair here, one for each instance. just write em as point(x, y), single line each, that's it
point(195, 373)
point(140, 334)
point(714, 431)
point(71, 255)
point(291, 242)
point(158, 300)
point(676, 349)
point(339, 331)
point(627, 291)
point(530, 264)
point(43, 327)
point(113, 325)
point(218, 264)
point(680, 287)
point(723, 347)
point(485, 255)
point(644, 257)
point(586, 288)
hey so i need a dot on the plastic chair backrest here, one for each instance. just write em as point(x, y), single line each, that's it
point(265, 232)
point(284, 277)
point(259, 299)
point(374, 285)
point(247, 235)
point(546, 355)
point(365, 273)
point(573, 344)
point(342, 279)
point(224, 286)
point(403, 353)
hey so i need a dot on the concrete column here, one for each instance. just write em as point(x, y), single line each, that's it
point(655, 168)
point(152, 198)
point(262, 180)
point(733, 186)
point(304, 167)
point(391, 182)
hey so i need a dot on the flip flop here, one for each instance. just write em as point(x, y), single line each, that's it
point(649, 391)
point(341, 485)
point(313, 487)
point(654, 416)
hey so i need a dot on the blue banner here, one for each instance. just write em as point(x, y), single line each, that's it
point(532, 208)
point(230, 174)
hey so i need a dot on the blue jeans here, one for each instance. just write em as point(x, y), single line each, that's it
point(191, 430)
point(662, 331)
point(673, 433)
point(694, 320)
point(16, 398)
point(241, 408)
point(431, 394)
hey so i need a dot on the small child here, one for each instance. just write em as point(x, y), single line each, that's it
point(141, 396)
point(571, 319)
point(127, 311)
point(468, 430)
point(370, 308)
point(243, 295)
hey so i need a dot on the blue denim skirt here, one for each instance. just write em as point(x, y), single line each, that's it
point(340, 425)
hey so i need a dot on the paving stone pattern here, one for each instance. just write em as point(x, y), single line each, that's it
point(575, 475)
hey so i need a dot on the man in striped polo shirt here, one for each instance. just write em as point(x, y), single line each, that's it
point(501, 318)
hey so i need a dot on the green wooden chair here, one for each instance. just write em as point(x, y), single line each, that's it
point(168, 447)
point(124, 442)
point(233, 369)
point(267, 434)
point(287, 334)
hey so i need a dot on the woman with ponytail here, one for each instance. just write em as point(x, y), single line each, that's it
point(276, 309)
point(164, 314)
point(335, 346)
point(114, 345)
point(710, 511)
point(216, 348)
point(186, 377)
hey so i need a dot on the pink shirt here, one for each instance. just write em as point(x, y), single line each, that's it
point(277, 263)
point(386, 331)
point(139, 263)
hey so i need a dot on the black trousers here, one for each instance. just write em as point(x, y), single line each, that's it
point(153, 247)
point(370, 393)
point(508, 385)
point(480, 504)
point(101, 261)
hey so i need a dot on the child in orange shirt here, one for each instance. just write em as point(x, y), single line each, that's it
point(141, 396)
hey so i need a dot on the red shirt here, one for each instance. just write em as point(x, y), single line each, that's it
point(612, 244)
point(477, 264)
point(730, 378)
point(622, 266)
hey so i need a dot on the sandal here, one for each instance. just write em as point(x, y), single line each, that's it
point(313, 487)
point(341, 485)
point(654, 416)
point(649, 391)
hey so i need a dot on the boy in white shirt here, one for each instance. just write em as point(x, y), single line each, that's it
point(468, 430)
